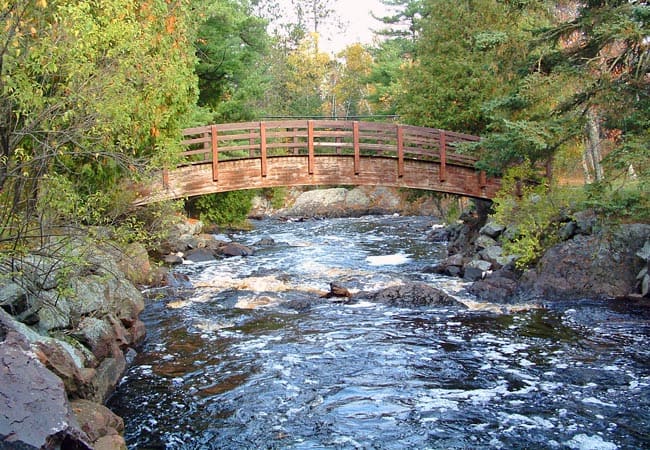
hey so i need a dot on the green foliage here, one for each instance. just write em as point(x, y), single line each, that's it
point(468, 53)
point(231, 47)
point(277, 196)
point(630, 202)
point(532, 210)
point(90, 94)
point(225, 209)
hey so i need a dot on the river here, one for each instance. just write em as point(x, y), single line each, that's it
point(252, 358)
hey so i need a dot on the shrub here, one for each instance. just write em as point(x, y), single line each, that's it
point(535, 210)
point(225, 209)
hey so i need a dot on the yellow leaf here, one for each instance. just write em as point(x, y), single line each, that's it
point(41, 3)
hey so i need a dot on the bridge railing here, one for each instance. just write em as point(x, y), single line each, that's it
point(310, 138)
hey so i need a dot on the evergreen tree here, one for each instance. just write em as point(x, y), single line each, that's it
point(467, 54)
point(232, 45)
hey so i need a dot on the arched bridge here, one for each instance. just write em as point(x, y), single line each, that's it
point(237, 156)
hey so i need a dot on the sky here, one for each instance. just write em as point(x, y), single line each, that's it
point(357, 23)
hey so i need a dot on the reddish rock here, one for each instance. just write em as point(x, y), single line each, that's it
point(96, 420)
point(77, 380)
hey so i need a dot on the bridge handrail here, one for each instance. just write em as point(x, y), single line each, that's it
point(300, 135)
point(265, 139)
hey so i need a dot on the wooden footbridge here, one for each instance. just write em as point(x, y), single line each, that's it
point(237, 156)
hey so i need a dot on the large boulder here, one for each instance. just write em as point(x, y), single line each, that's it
point(497, 287)
point(602, 265)
point(411, 294)
point(34, 408)
point(319, 202)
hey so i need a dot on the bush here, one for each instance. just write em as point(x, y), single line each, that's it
point(277, 196)
point(535, 210)
point(225, 209)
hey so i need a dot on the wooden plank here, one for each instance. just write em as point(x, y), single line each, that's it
point(196, 152)
point(310, 146)
point(344, 124)
point(199, 140)
point(263, 148)
point(443, 157)
point(400, 152)
point(241, 126)
point(482, 179)
point(196, 130)
point(357, 154)
point(215, 153)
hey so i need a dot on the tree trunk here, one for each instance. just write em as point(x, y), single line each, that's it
point(593, 147)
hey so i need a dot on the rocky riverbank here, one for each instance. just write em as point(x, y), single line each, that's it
point(591, 261)
point(351, 202)
point(68, 327)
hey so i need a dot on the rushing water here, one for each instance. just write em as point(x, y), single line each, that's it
point(240, 362)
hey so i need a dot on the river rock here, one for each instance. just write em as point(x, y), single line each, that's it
point(452, 266)
point(337, 290)
point(585, 221)
point(497, 287)
point(265, 242)
point(200, 255)
point(99, 336)
point(96, 420)
point(412, 294)
point(54, 312)
point(318, 202)
point(76, 378)
point(34, 408)
point(108, 375)
point(235, 249)
point(492, 229)
point(438, 234)
point(484, 241)
point(475, 269)
point(173, 259)
point(134, 263)
point(110, 442)
point(602, 265)
point(356, 200)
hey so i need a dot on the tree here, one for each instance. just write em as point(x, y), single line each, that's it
point(312, 14)
point(88, 93)
point(467, 54)
point(307, 74)
point(231, 47)
point(405, 21)
point(349, 88)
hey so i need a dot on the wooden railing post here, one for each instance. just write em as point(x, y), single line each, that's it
point(400, 151)
point(215, 153)
point(263, 148)
point(443, 156)
point(357, 154)
point(251, 144)
point(296, 150)
point(310, 146)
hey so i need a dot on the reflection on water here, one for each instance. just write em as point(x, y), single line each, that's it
point(253, 358)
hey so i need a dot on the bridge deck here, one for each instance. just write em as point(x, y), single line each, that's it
point(226, 157)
